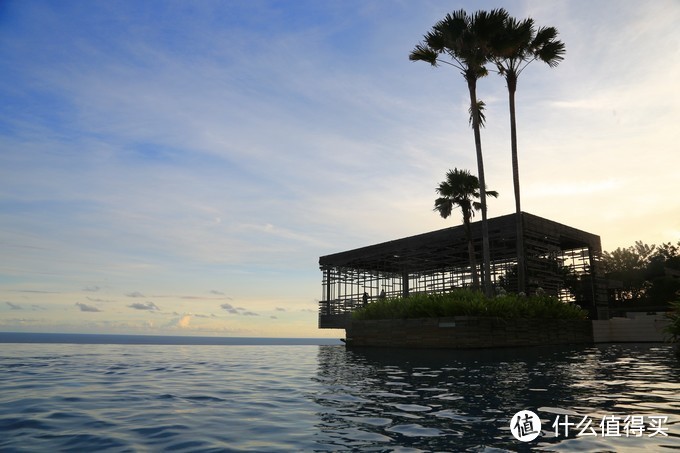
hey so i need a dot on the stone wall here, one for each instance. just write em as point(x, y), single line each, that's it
point(467, 332)
point(635, 327)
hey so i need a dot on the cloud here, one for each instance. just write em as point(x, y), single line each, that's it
point(280, 309)
point(183, 322)
point(33, 291)
point(238, 310)
point(274, 317)
point(144, 306)
point(87, 308)
point(13, 306)
point(169, 142)
point(229, 308)
point(93, 299)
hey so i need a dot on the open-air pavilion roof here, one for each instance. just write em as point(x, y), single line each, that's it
point(443, 248)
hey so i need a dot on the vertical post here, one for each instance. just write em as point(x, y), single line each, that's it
point(328, 285)
point(404, 284)
point(521, 253)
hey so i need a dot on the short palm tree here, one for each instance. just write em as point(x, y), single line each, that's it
point(461, 189)
point(467, 41)
point(515, 48)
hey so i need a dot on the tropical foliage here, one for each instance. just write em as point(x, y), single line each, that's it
point(643, 275)
point(464, 302)
point(470, 42)
point(461, 189)
point(465, 42)
point(517, 45)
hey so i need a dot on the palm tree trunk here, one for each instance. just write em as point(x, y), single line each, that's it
point(511, 79)
point(486, 256)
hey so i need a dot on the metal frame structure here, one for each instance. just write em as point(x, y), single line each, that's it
point(561, 260)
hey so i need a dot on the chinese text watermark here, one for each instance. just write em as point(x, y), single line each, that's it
point(526, 426)
point(612, 426)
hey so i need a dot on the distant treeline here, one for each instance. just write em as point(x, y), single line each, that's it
point(643, 275)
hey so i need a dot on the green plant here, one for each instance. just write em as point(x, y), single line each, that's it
point(470, 303)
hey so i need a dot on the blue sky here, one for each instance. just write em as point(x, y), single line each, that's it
point(179, 167)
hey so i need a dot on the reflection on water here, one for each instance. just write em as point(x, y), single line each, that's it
point(415, 400)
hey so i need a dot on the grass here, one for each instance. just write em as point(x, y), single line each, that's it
point(469, 303)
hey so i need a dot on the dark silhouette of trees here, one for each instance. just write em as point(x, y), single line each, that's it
point(517, 45)
point(643, 276)
point(465, 42)
point(461, 189)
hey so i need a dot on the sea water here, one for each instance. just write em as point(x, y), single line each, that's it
point(324, 397)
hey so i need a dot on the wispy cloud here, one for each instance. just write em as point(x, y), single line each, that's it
point(199, 315)
point(14, 306)
point(238, 310)
point(98, 300)
point(87, 308)
point(229, 308)
point(144, 306)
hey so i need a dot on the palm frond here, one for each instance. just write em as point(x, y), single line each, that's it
point(444, 206)
point(480, 111)
point(519, 43)
point(423, 53)
point(547, 48)
point(460, 188)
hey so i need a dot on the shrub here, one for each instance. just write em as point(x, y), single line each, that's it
point(470, 303)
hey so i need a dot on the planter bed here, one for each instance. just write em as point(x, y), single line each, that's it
point(461, 332)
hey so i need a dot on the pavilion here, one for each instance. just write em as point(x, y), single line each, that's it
point(561, 260)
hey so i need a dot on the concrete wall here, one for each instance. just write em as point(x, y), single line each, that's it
point(635, 327)
point(467, 332)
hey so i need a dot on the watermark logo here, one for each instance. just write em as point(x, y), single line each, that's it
point(525, 426)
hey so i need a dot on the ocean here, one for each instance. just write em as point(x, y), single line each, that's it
point(279, 395)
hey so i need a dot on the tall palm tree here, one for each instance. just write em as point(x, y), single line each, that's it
point(467, 41)
point(515, 47)
point(461, 188)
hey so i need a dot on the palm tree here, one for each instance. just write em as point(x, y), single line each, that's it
point(516, 47)
point(461, 188)
point(467, 41)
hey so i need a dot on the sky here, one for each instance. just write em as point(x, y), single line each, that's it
point(178, 168)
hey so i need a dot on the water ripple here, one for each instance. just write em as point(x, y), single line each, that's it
point(328, 398)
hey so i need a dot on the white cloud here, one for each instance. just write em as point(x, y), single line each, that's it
point(184, 321)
